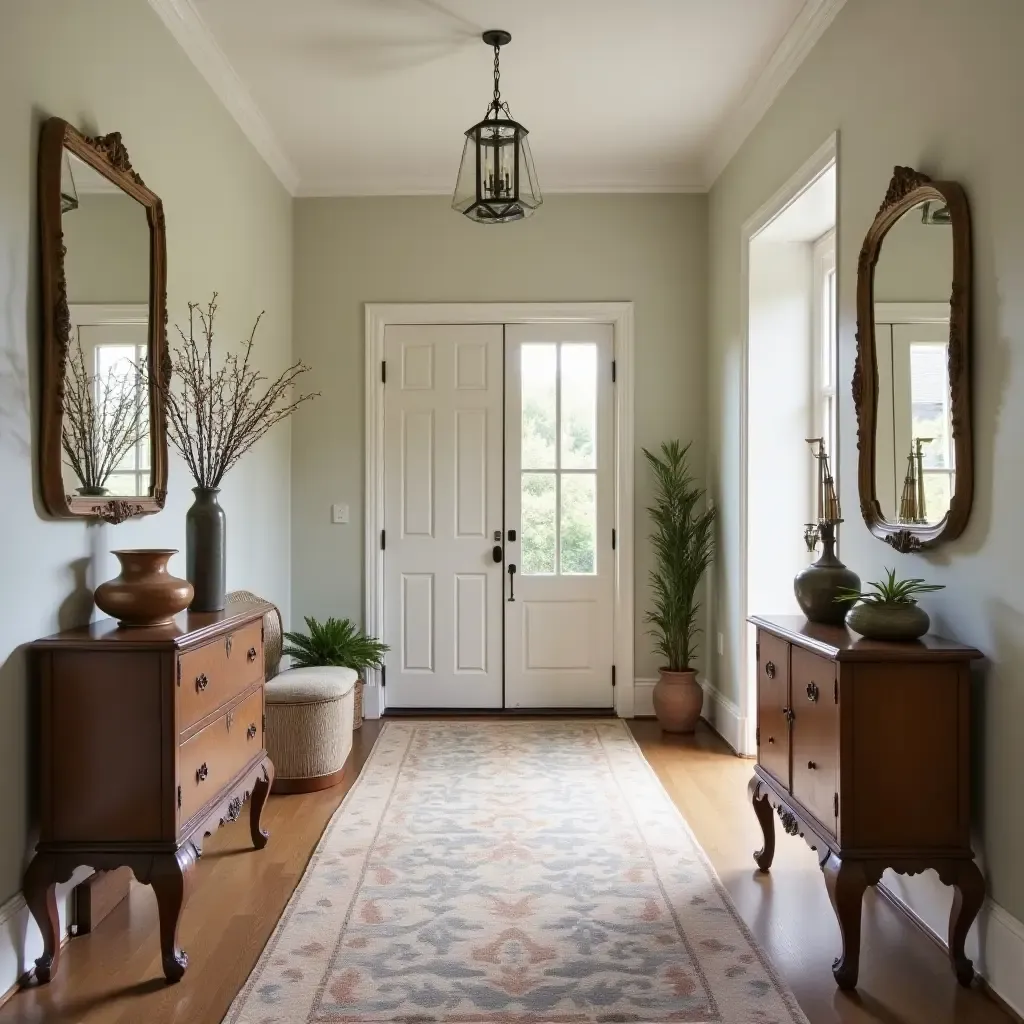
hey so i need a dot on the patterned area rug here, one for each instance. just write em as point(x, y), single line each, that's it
point(522, 872)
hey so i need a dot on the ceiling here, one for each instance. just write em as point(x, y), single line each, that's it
point(371, 97)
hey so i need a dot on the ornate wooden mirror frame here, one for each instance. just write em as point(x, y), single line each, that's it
point(107, 155)
point(907, 189)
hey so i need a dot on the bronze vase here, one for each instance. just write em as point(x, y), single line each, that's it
point(145, 593)
point(818, 586)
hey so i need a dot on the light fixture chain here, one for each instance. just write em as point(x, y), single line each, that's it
point(497, 74)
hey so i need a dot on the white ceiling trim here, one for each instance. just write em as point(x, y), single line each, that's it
point(762, 91)
point(195, 38)
point(381, 187)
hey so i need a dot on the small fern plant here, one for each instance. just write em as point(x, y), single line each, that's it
point(683, 541)
point(333, 642)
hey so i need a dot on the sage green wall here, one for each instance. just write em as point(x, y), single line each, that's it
point(649, 249)
point(107, 242)
point(110, 65)
point(935, 84)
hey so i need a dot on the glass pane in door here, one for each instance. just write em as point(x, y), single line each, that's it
point(578, 534)
point(539, 521)
point(539, 369)
point(578, 392)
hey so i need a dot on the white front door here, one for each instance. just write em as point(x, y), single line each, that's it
point(443, 516)
point(560, 503)
point(464, 631)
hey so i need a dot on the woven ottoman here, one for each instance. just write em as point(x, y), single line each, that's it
point(309, 726)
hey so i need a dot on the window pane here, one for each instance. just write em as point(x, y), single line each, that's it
point(538, 371)
point(579, 406)
point(929, 403)
point(579, 523)
point(122, 484)
point(936, 495)
point(538, 526)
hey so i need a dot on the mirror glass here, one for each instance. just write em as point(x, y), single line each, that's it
point(915, 471)
point(105, 438)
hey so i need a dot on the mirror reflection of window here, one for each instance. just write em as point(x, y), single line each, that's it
point(915, 475)
point(117, 368)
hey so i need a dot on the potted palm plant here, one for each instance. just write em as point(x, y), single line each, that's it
point(336, 642)
point(683, 543)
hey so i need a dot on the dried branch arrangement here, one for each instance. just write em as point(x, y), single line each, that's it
point(103, 419)
point(215, 414)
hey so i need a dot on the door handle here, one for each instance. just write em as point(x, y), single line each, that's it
point(512, 581)
point(496, 553)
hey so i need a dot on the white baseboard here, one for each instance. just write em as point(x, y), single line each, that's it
point(20, 941)
point(719, 712)
point(995, 944)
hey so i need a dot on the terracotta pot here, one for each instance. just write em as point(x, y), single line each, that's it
point(888, 621)
point(145, 594)
point(678, 699)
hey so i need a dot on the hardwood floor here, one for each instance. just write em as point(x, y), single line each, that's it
point(113, 976)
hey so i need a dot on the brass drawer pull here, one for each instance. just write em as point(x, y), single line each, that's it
point(812, 691)
point(202, 772)
point(771, 739)
point(812, 765)
point(227, 647)
point(251, 654)
point(201, 682)
point(250, 733)
point(789, 715)
point(769, 669)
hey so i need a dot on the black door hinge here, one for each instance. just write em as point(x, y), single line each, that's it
point(179, 673)
point(383, 371)
point(383, 676)
point(613, 540)
point(613, 676)
point(835, 804)
point(835, 691)
point(179, 798)
point(757, 649)
point(382, 540)
point(757, 737)
point(613, 371)
point(264, 721)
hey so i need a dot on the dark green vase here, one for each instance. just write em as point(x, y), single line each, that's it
point(818, 586)
point(205, 555)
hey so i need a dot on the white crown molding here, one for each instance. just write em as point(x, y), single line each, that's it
point(195, 38)
point(762, 91)
point(344, 188)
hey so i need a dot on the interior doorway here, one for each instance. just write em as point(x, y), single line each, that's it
point(789, 393)
point(500, 507)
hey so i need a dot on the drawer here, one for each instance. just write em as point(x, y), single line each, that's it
point(211, 675)
point(208, 761)
point(815, 735)
point(773, 705)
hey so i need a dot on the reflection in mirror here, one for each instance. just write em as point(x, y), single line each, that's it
point(105, 408)
point(915, 471)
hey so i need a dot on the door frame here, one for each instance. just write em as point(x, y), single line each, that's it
point(741, 732)
point(620, 315)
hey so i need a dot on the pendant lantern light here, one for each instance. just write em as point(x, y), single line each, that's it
point(497, 181)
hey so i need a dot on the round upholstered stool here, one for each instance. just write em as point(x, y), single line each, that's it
point(309, 726)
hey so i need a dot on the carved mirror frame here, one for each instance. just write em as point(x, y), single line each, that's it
point(907, 189)
point(107, 155)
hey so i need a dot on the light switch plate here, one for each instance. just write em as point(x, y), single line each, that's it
point(339, 513)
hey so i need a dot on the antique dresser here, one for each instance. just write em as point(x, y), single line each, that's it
point(863, 749)
point(149, 739)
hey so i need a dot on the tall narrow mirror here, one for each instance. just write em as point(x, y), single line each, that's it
point(103, 450)
point(911, 383)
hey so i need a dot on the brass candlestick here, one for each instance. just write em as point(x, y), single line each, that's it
point(818, 586)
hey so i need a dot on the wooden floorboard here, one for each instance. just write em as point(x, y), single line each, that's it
point(113, 975)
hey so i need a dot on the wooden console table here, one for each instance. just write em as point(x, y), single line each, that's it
point(150, 738)
point(863, 749)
